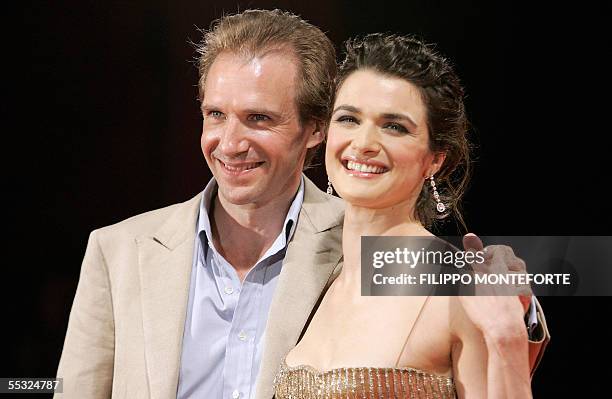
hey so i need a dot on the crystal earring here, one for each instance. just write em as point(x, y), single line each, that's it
point(330, 189)
point(439, 205)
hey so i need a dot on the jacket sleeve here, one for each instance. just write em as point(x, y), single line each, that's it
point(86, 365)
point(539, 340)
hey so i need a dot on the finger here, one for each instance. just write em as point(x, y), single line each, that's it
point(472, 243)
point(516, 264)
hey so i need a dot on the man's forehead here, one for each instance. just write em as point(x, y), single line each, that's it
point(256, 62)
point(256, 65)
point(264, 76)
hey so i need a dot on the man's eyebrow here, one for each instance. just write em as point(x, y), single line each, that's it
point(263, 111)
point(348, 108)
point(208, 107)
point(401, 117)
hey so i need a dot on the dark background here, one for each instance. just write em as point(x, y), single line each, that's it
point(101, 122)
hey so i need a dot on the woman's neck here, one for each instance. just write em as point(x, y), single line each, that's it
point(397, 220)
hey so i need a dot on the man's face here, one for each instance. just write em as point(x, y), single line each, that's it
point(252, 137)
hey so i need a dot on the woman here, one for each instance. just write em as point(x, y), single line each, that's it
point(398, 132)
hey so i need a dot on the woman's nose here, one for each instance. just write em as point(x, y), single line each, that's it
point(366, 140)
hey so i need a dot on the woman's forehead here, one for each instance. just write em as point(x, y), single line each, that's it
point(374, 92)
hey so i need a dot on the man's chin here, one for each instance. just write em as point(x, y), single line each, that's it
point(240, 195)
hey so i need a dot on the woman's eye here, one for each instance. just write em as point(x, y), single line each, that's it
point(347, 119)
point(397, 127)
point(258, 117)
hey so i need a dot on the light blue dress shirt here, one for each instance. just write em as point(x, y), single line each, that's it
point(226, 319)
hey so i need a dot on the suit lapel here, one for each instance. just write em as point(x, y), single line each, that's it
point(165, 261)
point(312, 255)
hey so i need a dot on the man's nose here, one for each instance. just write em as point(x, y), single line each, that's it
point(233, 138)
point(366, 140)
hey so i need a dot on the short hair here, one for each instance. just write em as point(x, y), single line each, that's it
point(407, 57)
point(254, 32)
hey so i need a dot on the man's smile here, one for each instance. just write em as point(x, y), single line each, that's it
point(239, 168)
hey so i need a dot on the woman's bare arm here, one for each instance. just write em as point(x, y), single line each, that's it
point(490, 352)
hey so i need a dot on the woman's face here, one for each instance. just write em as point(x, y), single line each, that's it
point(377, 152)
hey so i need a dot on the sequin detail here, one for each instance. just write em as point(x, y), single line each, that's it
point(306, 382)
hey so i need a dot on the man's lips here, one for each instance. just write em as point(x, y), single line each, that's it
point(239, 167)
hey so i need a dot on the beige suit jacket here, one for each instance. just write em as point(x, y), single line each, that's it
point(126, 325)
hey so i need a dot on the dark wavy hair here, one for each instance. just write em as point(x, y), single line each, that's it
point(409, 58)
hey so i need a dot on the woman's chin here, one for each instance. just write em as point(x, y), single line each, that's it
point(364, 199)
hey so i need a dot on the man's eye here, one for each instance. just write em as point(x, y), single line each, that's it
point(347, 119)
point(215, 114)
point(259, 117)
point(397, 127)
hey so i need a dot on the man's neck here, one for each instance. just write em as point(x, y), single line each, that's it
point(243, 234)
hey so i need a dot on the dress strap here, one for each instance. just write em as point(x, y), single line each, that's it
point(399, 356)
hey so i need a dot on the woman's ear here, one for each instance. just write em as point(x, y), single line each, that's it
point(437, 162)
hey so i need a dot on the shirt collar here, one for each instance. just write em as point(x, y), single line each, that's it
point(283, 238)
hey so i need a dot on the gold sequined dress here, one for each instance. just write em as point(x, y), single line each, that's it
point(305, 382)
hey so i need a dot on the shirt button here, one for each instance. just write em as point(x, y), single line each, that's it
point(235, 394)
point(242, 335)
point(228, 290)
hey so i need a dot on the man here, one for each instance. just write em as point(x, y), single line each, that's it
point(203, 298)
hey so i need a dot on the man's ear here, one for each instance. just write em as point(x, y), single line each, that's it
point(316, 133)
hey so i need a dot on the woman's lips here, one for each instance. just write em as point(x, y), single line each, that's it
point(363, 169)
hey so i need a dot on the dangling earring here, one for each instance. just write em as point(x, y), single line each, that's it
point(439, 205)
point(330, 189)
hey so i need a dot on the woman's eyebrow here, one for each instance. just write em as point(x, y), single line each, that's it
point(402, 117)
